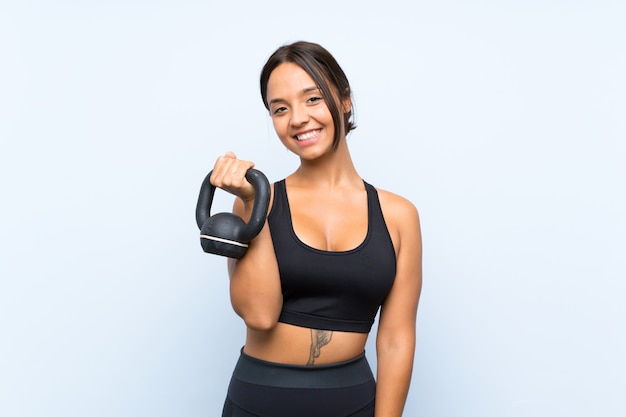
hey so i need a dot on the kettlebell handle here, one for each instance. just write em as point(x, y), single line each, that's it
point(259, 210)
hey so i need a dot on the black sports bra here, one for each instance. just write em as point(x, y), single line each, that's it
point(332, 290)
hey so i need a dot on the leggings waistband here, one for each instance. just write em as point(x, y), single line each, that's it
point(342, 374)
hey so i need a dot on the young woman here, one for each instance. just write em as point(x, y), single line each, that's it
point(333, 251)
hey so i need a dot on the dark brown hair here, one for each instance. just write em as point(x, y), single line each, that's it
point(325, 72)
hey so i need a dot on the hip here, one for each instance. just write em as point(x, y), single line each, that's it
point(263, 388)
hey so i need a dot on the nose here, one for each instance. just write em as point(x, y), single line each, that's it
point(299, 115)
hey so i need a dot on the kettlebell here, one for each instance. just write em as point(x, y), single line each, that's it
point(226, 234)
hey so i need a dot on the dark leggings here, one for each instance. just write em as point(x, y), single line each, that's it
point(266, 389)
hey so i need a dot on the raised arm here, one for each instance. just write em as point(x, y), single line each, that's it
point(255, 290)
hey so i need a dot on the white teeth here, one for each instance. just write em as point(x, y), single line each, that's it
point(307, 135)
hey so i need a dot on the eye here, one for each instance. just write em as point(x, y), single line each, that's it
point(314, 99)
point(278, 110)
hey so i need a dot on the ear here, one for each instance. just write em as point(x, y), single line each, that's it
point(346, 104)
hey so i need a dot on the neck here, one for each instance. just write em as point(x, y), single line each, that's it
point(332, 170)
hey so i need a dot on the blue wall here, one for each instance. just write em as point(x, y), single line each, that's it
point(502, 121)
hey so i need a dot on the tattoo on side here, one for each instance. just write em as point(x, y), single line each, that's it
point(319, 339)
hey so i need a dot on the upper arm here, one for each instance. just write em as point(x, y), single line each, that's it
point(398, 313)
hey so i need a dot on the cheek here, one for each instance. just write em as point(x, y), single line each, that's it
point(322, 114)
point(279, 125)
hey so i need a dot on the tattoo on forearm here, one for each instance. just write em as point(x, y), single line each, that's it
point(319, 339)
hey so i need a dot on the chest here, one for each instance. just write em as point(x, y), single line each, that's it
point(329, 222)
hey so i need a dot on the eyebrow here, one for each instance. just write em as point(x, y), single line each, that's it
point(304, 91)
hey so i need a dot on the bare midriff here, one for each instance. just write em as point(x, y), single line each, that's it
point(295, 345)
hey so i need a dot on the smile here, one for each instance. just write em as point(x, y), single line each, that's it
point(308, 135)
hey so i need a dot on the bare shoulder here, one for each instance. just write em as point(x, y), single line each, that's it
point(402, 219)
point(395, 207)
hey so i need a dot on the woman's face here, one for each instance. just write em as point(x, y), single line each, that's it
point(299, 112)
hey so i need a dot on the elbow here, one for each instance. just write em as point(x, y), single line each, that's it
point(258, 315)
point(260, 322)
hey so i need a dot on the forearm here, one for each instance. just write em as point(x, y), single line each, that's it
point(394, 371)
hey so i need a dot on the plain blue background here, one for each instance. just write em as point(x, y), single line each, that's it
point(503, 121)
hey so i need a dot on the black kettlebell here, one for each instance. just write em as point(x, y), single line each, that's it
point(226, 234)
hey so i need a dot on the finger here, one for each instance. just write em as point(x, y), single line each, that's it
point(233, 168)
point(229, 172)
point(221, 166)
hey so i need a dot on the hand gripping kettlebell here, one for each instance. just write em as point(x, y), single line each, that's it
point(226, 234)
